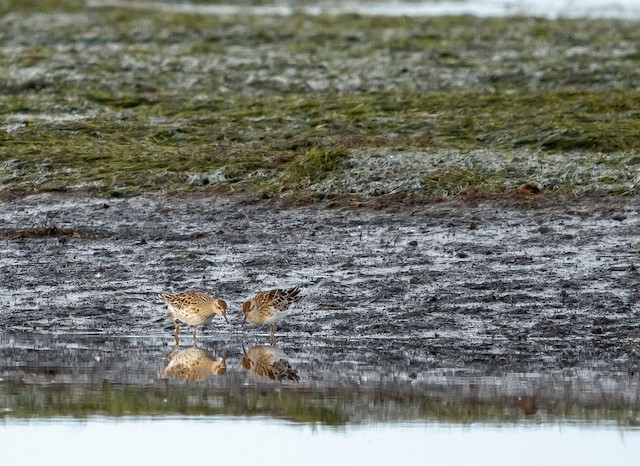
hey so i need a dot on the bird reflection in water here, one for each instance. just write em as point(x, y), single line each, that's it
point(269, 362)
point(193, 365)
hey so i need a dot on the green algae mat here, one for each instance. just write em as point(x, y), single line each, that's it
point(124, 101)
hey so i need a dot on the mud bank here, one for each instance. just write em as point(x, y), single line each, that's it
point(525, 285)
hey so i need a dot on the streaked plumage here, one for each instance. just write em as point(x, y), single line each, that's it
point(269, 362)
point(194, 365)
point(269, 307)
point(193, 308)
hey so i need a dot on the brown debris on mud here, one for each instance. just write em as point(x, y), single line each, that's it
point(523, 284)
point(53, 231)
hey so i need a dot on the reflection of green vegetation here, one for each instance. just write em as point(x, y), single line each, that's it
point(35, 401)
point(120, 120)
point(333, 407)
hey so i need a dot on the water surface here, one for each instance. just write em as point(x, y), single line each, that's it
point(238, 440)
point(622, 9)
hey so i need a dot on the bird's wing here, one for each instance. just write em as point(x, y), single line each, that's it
point(280, 299)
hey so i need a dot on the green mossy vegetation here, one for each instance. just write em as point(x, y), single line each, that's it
point(126, 101)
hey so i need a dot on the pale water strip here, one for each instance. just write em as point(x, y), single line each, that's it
point(613, 9)
point(241, 441)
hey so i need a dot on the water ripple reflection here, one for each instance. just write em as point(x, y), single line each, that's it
point(193, 365)
point(337, 383)
point(269, 362)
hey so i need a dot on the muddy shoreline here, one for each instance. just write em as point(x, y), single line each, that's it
point(529, 285)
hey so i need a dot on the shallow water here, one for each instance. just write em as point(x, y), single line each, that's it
point(622, 9)
point(238, 440)
point(83, 394)
point(337, 383)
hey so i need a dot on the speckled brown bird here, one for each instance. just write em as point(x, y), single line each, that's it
point(193, 308)
point(269, 362)
point(194, 365)
point(269, 308)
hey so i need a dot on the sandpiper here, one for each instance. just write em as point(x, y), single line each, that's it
point(193, 308)
point(269, 307)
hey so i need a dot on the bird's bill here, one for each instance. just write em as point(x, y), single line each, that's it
point(225, 317)
point(244, 321)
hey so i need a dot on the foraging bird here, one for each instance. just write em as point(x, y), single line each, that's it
point(193, 308)
point(269, 362)
point(269, 307)
point(194, 365)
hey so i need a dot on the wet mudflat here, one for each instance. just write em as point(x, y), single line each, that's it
point(461, 310)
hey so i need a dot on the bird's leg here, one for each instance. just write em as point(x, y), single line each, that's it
point(173, 350)
point(272, 338)
point(175, 322)
point(195, 341)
